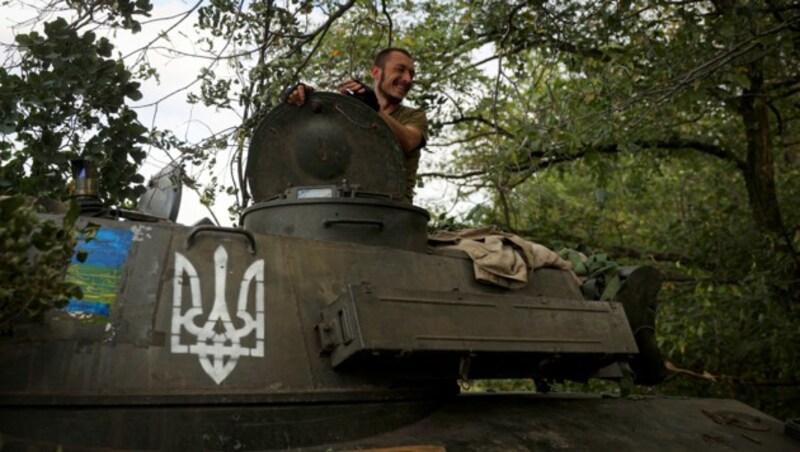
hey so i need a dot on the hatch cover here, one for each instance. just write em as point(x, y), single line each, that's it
point(329, 139)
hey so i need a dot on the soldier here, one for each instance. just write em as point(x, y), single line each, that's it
point(393, 75)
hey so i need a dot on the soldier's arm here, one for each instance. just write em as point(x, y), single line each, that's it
point(408, 136)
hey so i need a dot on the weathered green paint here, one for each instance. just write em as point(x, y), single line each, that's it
point(312, 333)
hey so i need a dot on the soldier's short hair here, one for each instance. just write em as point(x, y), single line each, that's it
point(383, 55)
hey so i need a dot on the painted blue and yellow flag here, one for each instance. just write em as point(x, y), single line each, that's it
point(100, 274)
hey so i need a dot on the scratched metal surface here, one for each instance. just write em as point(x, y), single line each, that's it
point(533, 422)
point(472, 422)
point(163, 344)
point(212, 335)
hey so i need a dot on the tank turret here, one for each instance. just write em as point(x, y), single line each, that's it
point(325, 319)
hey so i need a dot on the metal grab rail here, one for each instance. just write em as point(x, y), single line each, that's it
point(251, 240)
point(328, 222)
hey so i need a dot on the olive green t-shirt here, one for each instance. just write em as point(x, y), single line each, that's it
point(419, 120)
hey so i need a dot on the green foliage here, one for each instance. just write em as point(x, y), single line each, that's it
point(727, 306)
point(67, 99)
point(741, 332)
point(663, 134)
point(499, 386)
point(35, 254)
point(598, 267)
point(62, 96)
point(117, 14)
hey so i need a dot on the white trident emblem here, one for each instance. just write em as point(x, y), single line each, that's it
point(218, 351)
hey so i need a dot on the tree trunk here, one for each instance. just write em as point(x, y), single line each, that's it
point(759, 174)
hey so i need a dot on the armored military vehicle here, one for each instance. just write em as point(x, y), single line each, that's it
point(326, 322)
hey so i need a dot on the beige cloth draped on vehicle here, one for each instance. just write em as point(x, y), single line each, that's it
point(500, 258)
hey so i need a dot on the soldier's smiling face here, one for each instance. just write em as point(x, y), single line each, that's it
point(396, 77)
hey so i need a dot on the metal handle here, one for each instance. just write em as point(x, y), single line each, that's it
point(251, 241)
point(344, 324)
point(328, 222)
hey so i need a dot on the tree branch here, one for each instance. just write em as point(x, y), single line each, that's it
point(543, 159)
point(389, 19)
point(331, 19)
point(164, 33)
point(464, 140)
point(447, 176)
point(549, 158)
point(481, 120)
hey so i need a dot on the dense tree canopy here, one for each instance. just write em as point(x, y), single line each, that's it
point(63, 95)
point(661, 132)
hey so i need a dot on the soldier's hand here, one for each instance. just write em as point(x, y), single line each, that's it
point(298, 95)
point(360, 91)
point(351, 86)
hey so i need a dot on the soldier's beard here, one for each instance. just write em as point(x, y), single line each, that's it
point(394, 100)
